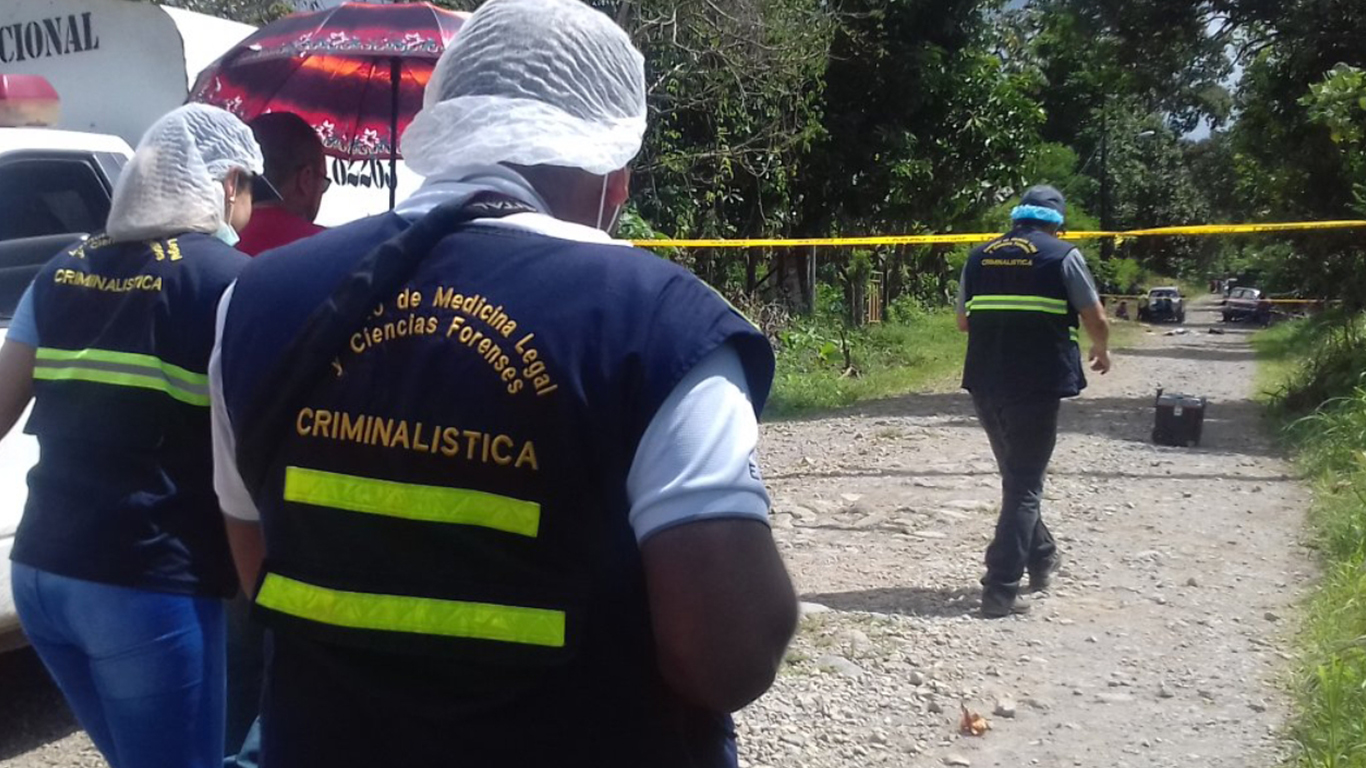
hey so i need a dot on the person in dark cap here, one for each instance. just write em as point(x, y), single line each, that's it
point(296, 167)
point(1022, 300)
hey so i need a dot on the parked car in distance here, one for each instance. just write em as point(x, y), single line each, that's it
point(1247, 304)
point(1161, 305)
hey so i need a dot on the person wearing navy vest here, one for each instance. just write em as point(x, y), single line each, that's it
point(492, 473)
point(1022, 299)
point(120, 562)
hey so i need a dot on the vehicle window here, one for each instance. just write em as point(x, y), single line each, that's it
point(50, 196)
point(112, 164)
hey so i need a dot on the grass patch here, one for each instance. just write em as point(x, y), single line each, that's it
point(889, 359)
point(1311, 371)
point(1306, 363)
point(1277, 358)
point(1123, 334)
point(922, 354)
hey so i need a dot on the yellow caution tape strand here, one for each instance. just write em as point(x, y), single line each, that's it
point(973, 238)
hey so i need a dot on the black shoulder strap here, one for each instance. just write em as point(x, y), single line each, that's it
point(308, 357)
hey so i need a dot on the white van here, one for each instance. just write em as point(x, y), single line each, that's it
point(55, 188)
point(118, 65)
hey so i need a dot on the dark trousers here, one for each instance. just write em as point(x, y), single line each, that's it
point(1022, 434)
point(246, 676)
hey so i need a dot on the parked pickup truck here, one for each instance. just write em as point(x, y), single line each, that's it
point(55, 188)
point(1162, 305)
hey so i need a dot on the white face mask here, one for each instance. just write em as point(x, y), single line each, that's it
point(227, 234)
point(602, 208)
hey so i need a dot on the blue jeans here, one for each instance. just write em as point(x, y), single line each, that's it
point(144, 672)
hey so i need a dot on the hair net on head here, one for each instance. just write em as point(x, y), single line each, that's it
point(532, 82)
point(173, 183)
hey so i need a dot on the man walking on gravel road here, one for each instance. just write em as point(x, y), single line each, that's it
point(1021, 300)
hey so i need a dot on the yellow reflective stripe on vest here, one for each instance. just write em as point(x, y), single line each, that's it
point(416, 615)
point(425, 503)
point(122, 369)
point(1015, 303)
point(1074, 333)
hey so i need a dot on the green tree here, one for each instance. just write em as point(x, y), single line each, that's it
point(732, 93)
point(254, 12)
point(1288, 163)
point(1156, 55)
point(924, 128)
point(1339, 104)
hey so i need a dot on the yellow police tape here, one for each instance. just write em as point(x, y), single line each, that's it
point(969, 239)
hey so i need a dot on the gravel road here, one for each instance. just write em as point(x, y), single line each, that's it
point(1163, 643)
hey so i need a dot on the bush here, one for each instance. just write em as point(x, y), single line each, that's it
point(907, 309)
point(823, 364)
point(1331, 728)
point(1124, 276)
point(1329, 352)
point(1320, 363)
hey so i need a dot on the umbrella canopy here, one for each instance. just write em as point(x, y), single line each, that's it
point(355, 72)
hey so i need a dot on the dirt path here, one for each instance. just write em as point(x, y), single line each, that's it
point(1160, 646)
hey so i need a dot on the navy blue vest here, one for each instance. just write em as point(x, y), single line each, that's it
point(450, 567)
point(123, 491)
point(1022, 337)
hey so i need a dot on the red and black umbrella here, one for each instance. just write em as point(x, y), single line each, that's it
point(355, 72)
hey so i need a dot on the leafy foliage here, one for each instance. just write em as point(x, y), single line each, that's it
point(1322, 399)
point(254, 12)
point(1287, 163)
point(783, 118)
point(1339, 104)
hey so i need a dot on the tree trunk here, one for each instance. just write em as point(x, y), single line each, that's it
point(793, 284)
point(943, 273)
point(891, 275)
point(809, 283)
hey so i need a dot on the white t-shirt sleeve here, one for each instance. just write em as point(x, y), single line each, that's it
point(697, 457)
point(233, 497)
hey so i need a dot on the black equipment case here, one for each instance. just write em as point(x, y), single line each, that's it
point(1180, 419)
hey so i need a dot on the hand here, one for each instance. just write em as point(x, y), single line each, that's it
point(1100, 360)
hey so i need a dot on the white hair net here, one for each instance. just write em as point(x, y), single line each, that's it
point(532, 82)
point(173, 184)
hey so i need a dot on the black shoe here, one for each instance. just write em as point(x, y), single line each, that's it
point(1000, 601)
point(1041, 575)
